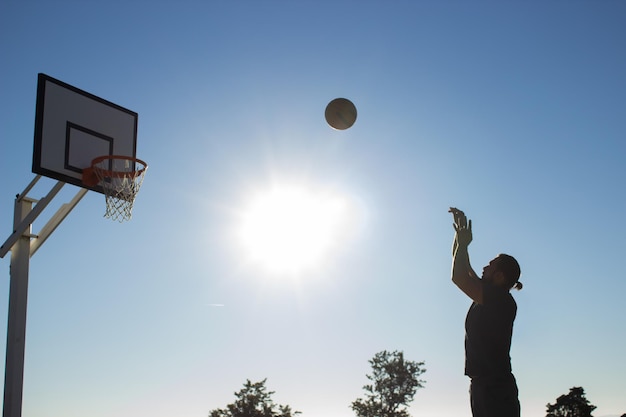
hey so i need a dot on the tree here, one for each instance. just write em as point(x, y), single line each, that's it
point(573, 404)
point(394, 383)
point(254, 401)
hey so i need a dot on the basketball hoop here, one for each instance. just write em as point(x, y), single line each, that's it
point(120, 178)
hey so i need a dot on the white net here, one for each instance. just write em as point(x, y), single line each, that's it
point(120, 178)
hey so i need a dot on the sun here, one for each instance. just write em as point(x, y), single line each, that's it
point(292, 228)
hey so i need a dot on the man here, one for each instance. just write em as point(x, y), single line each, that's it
point(488, 326)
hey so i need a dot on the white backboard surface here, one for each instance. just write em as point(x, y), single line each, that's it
point(72, 127)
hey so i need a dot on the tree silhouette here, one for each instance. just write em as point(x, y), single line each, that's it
point(254, 401)
point(573, 404)
point(395, 382)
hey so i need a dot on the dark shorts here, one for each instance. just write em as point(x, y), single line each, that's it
point(494, 397)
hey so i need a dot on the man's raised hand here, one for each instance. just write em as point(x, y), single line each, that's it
point(459, 217)
point(463, 228)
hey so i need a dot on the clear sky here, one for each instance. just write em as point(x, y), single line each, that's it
point(512, 111)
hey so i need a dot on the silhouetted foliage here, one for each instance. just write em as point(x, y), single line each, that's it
point(395, 382)
point(573, 404)
point(254, 401)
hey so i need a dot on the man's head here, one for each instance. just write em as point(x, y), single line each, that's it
point(503, 271)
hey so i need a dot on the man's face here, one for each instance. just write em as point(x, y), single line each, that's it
point(491, 273)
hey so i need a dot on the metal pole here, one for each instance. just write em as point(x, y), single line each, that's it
point(16, 327)
point(27, 221)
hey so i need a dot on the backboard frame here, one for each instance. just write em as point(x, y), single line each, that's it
point(72, 127)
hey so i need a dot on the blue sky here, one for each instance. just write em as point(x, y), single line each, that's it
point(512, 111)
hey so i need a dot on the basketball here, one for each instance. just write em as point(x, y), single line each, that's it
point(340, 114)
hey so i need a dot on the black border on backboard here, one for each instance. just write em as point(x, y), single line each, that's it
point(42, 80)
point(68, 129)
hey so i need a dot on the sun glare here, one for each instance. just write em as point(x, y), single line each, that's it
point(292, 228)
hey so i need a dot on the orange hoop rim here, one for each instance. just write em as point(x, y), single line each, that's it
point(91, 173)
point(118, 174)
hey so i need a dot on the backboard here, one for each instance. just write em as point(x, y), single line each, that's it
point(72, 127)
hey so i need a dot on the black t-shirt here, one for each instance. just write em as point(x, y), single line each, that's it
point(488, 331)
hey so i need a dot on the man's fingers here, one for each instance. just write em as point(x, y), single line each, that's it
point(458, 215)
point(460, 220)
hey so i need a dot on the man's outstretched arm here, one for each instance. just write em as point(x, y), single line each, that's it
point(462, 273)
